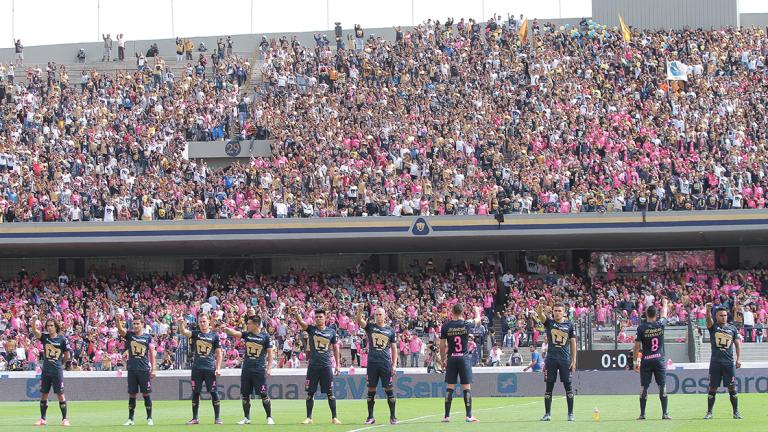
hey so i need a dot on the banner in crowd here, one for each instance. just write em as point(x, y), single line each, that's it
point(677, 71)
point(177, 385)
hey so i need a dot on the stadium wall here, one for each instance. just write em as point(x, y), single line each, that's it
point(754, 20)
point(272, 237)
point(289, 384)
point(667, 14)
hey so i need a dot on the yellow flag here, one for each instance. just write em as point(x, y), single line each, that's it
point(624, 30)
point(523, 32)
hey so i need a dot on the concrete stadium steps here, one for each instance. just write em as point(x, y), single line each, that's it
point(128, 65)
point(750, 352)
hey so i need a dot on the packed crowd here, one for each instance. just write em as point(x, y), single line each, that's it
point(416, 301)
point(110, 146)
point(450, 118)
point(87, 308)
point(615, 300)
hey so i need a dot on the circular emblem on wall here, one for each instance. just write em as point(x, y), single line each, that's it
point(232, 148)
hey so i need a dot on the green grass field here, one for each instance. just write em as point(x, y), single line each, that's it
point(617, 413)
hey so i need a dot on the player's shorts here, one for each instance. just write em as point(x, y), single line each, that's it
point(458, 368)
point(52, 381)
point(653, 369)
point(200, 377)
point(139, 381)
point(379, 373)
point(253, 380)
point(552, 367)
point(319, 375)
point(722, 373)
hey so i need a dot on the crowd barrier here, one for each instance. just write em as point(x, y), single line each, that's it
point(409, 383)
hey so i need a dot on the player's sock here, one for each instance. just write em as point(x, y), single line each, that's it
point(468, 402)
point(548, 397)
point(711, 400)
point(216, 404)
point(568, 397)
point(371, 402)
point(63, 408)
point(148, 406)
point(734, 399)
point(247, 406)
point(663, 398)
point(310, 404)
point(448, 400)
point(391, 402)
point(332, 404)
point(43, 408)
point(195, 404)
point(643, 401)
point(131, 407)
point(266, 402)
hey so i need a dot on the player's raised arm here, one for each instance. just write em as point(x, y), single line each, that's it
point(120, 326)
point(541, 314)
point(230, 331)
point(33, 326)
point(183, 327)
point(708, 308)
point(297, 316)
point(664, 308)
point(360, 319)
point(478, 318)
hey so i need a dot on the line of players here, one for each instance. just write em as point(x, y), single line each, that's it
point(382, 358)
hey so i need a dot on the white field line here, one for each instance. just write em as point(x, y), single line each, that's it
point(440, 415)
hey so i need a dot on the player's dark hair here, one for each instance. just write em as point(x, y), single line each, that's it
point(138, 318)
point(55, 324)
point(559, 305)
point(720, 308)
point(650, 312)
point(457, 309)
point(255, 319)
point(320, 311)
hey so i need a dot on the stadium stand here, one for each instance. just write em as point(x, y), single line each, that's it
point(450, 118)
point(417, 300)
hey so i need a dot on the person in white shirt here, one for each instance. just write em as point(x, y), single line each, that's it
point(109, 213)
point(749, 322)
point(495, 356)
point(148, 212)
point(281, 209)
point(76, 214)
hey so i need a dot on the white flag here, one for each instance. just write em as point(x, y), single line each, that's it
point(677, 71)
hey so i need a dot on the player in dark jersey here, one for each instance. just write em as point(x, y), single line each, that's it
point(382, 358)
point(454, 340)
point(649, 357)
point(322, 341)
point(206, 364)
point(55, 353)
point(561, 355)
point(724, 337)
point(141, 365)
point(257, 366)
